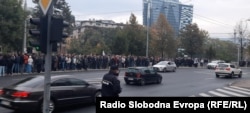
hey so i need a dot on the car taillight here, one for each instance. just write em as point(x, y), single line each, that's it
point(1, 92)
point(20, 94)
point(138, 75)
point(228, 69)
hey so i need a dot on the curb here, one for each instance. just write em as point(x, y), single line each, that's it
point(241, 83)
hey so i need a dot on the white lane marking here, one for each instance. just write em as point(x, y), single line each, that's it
point(218, 94)
point(204, 95)
point(244, 89)
point(236, 90)
point(231, 93)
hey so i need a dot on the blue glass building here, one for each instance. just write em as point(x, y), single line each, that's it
point(178, 15)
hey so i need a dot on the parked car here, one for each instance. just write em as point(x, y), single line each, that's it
point(27, 95)
point(142, 75)
point(213, 64)
point(164, 66)
point(227, 69)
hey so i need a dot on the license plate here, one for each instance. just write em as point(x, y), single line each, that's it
point(130, 79)
point(5, 103)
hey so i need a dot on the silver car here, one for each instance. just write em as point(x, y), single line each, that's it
point(165, 66)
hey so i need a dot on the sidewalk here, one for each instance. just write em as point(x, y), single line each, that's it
point(241, 83)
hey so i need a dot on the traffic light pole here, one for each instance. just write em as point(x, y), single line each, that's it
point(47, 79)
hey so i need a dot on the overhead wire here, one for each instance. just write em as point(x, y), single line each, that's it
point(195, 15)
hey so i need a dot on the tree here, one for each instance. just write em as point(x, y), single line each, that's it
point(12, 17)
point(90, 42)
point(192, 39)
point(240, 35)
point(163, 37)
point(120, 45)
point(135, 36)
point(210, 53)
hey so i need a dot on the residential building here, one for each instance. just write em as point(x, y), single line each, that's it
point(80, 26)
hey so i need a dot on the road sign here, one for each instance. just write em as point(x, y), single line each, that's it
point(45, 5)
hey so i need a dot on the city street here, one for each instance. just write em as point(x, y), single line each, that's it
point(185, 82)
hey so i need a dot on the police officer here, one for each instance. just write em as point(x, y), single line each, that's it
point(110, 83)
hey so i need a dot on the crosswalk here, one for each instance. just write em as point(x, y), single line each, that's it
point(229, 91)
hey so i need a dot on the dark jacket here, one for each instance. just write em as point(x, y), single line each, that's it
point(110, 85)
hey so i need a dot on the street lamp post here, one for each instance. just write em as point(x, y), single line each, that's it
point(148, 18)
point(25, 31)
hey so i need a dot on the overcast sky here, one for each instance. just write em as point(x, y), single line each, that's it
point(218, 17)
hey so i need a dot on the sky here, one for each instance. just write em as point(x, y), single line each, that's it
point(218, 17)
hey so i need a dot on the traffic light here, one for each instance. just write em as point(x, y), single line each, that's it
point(57, 29)
point(40, 33)
point(29, 50)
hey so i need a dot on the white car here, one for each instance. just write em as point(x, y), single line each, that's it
point(165, 66)
point(214, 64)
point(227, 69)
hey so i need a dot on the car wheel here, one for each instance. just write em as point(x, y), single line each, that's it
point(217, 76)
point(142, 82)
point(165, 70)
point(127, 82)
point(240, 75)
point(174, 69)
point(159, 81)
point(51, 106)
point(231, 75)
point(97, 94)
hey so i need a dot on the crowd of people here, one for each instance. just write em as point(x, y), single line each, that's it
point(30, 63)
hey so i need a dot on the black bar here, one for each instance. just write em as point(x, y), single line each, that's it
point(172, 104)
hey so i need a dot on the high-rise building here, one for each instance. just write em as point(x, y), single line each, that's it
point(178, 15)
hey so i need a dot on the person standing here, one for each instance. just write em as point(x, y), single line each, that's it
point(39, 64)
point(30, 64)
point(2, 66)
point(110, 83)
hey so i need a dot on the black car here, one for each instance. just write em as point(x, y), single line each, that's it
point(142, 75)
point(27, 95)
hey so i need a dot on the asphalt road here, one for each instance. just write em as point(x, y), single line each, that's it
point(185, 82)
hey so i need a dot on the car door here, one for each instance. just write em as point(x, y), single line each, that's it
point(63, 92)
point(169, 66)
point(153, 74)
point(236, 71)
point(146, 75)
point(83, 91)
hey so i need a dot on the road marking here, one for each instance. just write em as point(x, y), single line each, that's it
point(240, 91)
point(240, 88)
point(204, 95)
point(231, 93)
point(218, 94)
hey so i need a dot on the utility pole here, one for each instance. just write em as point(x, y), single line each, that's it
point(148, 18)
point(25, 30)
point(241, 47)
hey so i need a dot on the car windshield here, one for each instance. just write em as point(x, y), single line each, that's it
point(134, 70)
point(218, 61)
point(30, 82)
point(162, 63)
point(222, 65)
